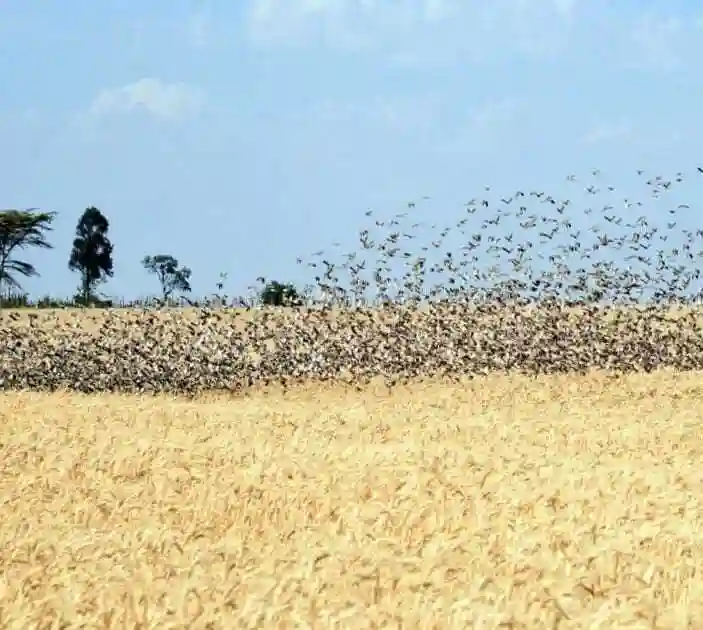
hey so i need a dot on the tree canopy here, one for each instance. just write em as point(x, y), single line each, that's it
point(280, 294)
point(20, 230)
point(91, 254)
point(170, 274)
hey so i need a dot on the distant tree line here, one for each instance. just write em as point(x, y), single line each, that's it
point(91, 257)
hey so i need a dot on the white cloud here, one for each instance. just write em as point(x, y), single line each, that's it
point(282, 21)
point(199, 27)
point(396, 113)
point(608, 132)
point(170, 101)
point(489, 125)
point(410, 31)
point(666, 42)
point(565, 8)
point(437, 10)
point(493, 113)
point(31, 115)
point(204, 26)
point(656, 40)
point(276, 22)
point(429, 33)
point(645, 135)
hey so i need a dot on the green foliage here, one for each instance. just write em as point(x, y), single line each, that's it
point(15, 300)
point(171, 275)
point(279, 294)
point(22, 301)
point(50, 302)
point(91, 300)
point(91, 255)
point(21, 229)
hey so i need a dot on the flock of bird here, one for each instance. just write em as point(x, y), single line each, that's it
point(470, 299)
point(625, 257)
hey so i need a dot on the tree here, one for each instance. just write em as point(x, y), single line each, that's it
point(279, 294)
point(91, 255)
point(172, 277)
point(20, 229)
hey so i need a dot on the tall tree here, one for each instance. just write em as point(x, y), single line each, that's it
point(91, 255)
point(21, 229)
point(171, 275)
point(279, 294)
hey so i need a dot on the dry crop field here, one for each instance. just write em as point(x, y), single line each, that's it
point(92, 319)
point(506, 502)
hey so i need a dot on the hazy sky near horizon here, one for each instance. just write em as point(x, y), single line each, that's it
point(238, 136)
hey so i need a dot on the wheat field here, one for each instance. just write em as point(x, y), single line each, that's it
point(504, 502)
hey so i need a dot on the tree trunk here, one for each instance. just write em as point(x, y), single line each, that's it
point(86, 289)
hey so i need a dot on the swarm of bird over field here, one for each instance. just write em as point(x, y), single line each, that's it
point(611, 285)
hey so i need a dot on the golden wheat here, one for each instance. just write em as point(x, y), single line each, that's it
point(570, 502)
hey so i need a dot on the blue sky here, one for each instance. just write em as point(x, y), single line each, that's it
point(238, 136)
